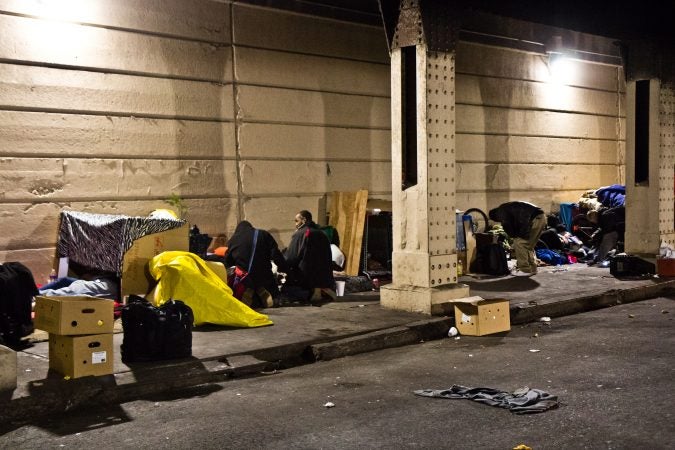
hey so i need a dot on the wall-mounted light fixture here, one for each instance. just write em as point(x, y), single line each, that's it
point(559, 65)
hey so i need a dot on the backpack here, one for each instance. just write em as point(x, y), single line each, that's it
point(237, 278)
point(491, 260)
point(152, 334)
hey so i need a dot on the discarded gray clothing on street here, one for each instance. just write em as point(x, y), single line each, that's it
point(521, 401)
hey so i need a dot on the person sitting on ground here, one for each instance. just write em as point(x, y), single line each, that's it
point(523, 222)
point(611, 224)
point(261, 284)
point(310, 262)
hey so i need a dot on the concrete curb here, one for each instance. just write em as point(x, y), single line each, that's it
point(521, 315)
point(392, 337)
point(54, 395)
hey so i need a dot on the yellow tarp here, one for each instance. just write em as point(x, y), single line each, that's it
point(185, 276)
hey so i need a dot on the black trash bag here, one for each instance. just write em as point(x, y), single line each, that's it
point(491, 260)
point(155, 334)
point(17, 288)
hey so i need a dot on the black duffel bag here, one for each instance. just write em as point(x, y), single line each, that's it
point(154, 334)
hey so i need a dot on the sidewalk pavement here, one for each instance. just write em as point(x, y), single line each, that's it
point(303, 334)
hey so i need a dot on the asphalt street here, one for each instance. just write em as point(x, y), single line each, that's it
point(612, 370)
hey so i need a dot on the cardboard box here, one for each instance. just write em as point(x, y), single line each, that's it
point(80, 356)
point(665, 267)
point(77, 315)
point(135, 276)
point(220, 269)
point(476, 316)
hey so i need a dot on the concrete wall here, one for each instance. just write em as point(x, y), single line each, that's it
point(525, 135)
point(249, 112)
point(313, 113)
point(245, 112)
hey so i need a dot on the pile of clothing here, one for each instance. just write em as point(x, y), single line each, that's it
point(589, 231)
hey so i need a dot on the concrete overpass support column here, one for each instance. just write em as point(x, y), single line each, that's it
point(650, 161)
point(423, 172)
point(650, 145)
point(667, 163)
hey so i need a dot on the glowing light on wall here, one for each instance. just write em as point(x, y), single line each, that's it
point(68, 10)
point(561, 69)
point(54, 38)
point(560, 74)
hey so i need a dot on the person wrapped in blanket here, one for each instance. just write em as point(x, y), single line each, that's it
point(91, 282)
point(310, 263)
point(261, 285)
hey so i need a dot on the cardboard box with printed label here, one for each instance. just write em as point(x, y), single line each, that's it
point(74, 315)
point(476, 316)
point(80, 356)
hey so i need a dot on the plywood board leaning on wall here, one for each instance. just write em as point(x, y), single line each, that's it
point(348, 215)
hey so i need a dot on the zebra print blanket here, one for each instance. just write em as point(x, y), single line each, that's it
point(101, 240)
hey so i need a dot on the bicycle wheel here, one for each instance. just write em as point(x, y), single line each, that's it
point(479, 220)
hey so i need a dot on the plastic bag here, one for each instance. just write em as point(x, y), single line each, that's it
point(185, 276)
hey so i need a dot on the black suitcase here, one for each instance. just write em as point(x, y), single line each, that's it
point(153, 334)
point(630, 266)
point(17, 288)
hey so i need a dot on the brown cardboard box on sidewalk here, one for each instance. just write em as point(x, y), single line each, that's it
point(135, 276)
point(74, 315)
point(80, 356)
point(476, 316)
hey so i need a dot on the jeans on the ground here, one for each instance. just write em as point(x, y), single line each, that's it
point(59, 283)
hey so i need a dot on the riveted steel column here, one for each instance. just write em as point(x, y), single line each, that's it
point(424, 258)
point(667, 163)
point(650, 215)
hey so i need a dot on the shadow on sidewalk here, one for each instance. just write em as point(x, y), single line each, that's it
point(503, 284)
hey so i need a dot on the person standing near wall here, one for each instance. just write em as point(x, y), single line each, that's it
point(523, 222)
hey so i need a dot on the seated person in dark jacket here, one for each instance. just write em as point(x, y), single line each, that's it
point(523, 222)
point(611, 224)
point(310, 261)
point(261, 282)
